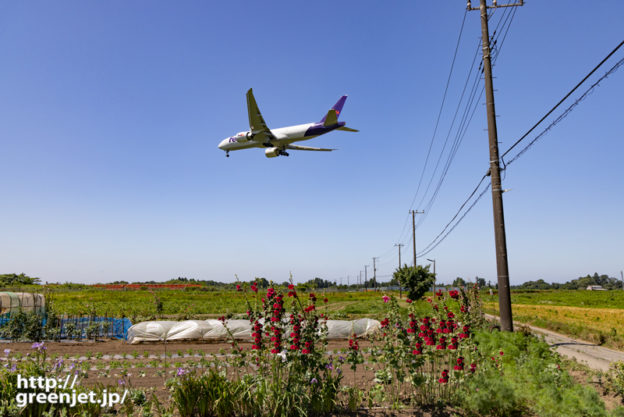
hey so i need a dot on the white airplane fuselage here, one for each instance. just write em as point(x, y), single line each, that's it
point(277, 141)
point(284, 135)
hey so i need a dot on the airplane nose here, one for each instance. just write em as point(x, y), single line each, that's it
point(222, 143)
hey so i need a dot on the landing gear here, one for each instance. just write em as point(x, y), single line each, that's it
point(283, 153)
point(227, 154)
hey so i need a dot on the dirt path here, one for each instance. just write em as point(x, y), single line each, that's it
point(594, 356)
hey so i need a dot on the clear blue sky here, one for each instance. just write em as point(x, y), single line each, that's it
point(111, 112)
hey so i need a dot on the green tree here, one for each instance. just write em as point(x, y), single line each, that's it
point(459, 282)
point(417, 280)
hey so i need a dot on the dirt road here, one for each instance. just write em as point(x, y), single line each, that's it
point(592, 355)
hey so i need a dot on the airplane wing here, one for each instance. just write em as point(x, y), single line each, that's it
point(307, 148)
point(257, 125)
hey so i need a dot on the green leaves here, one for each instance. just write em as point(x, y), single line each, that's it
point(417, 279)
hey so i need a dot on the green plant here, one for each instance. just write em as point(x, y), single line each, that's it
point(615, 379)
point(417, 280)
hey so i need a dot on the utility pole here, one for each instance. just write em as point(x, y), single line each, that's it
point(622, 276)
point(434, 274)
point(375, 274)
point(360, 279)
point(398, 245)
point(414, 212)
point(504, 296)
point(400, 288)
point(365, 275)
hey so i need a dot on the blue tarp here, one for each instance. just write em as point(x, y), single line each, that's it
point(118, 328)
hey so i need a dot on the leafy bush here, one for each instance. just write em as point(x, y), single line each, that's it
point(615, 379)
point(417, 280)
point(520, 374)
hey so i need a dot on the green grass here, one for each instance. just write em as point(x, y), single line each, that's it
point(572, 298)
point(198, 303)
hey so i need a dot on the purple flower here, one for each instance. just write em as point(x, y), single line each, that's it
point(6, 352)
point(329, 366)
point(182, 372)
point(121, 382)
point(341, 359)
point(13, 368)
point(313, 381)
point(339, 371)
point(39, 346)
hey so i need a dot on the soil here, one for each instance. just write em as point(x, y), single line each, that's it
point(145, 366)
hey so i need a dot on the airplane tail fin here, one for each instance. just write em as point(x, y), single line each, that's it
point(334, 111)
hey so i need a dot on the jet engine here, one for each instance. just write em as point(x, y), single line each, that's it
point(243, 137)
point(272, 152)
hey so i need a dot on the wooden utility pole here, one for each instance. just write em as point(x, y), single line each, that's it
point(414, 212)
point(399, 246)
point(375, 274)
point(504, 296)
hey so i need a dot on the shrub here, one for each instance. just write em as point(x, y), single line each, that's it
point(417, 280)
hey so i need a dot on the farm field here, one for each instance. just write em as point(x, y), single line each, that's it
point(594, 316)
point(192, 303)
point(437, 354)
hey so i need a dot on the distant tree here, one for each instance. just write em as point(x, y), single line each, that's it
point(416, 279)
point(540, 284)
point(459, 282)
point(480, 282)
point(262, 282)
point(320, 283)
point(15, 279)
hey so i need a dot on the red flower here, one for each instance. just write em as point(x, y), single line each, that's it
point(305, 351)
point(291, 287)
point(408, 301)
point(238, 287)
point(454, 294)
point(501, 353)
point(325, 300)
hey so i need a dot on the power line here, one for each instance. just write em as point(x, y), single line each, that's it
point(506, 20)
point(567, 111)
point(461, 30)
point(426, 249)
point(563, 99)
point(458, 221)
point(442, 235)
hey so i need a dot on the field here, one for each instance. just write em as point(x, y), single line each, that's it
point(432, 357)
point(195, 303)
point(594, 316)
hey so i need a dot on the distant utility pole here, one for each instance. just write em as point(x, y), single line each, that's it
point(360, 279)
point(434, 273)
point(504, 296)
point(399, 246)
point(375, 273)
point(622, 276)
point(414, 212)
point(365, 275)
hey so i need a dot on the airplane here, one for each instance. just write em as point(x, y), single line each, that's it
point(278, 141)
